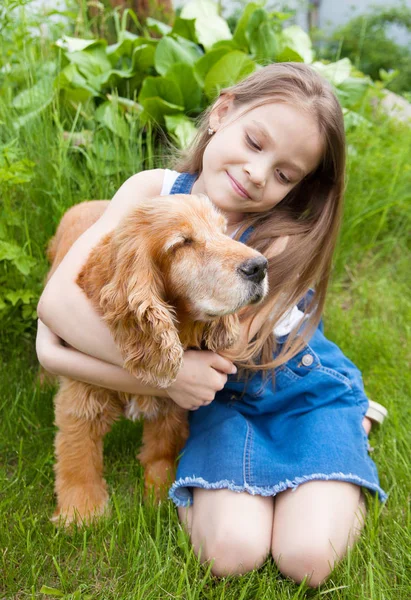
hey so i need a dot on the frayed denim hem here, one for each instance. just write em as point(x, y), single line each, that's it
point(184, 498)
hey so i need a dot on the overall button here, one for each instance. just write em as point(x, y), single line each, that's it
point(307, 360)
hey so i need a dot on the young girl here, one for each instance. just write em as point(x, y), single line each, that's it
point(273, 464)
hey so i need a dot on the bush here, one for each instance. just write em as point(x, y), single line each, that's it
point(365, 42)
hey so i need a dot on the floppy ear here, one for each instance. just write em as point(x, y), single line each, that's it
point(142, 322)
point(222, 333)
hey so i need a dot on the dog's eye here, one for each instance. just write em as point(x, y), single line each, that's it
point(188, 241)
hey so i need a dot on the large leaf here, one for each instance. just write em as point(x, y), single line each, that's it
point(262, 38)
point(185, 28)
point(170, 51)
point(230, 69)
point(209, 26)
point(199, 8)
point(352, 90)
point(155, 109)
point(92, 63)
point(108, 115)
point(161, 87)
point(40, 94)
point(157, 27)
point(240, 31)
point(336, 72)
point(70, 44)
point(183, 76)
point(30, 116)
point(204, 64)
point(182, 129)
point(124, 47)
point(295, 45)
point(75, 87)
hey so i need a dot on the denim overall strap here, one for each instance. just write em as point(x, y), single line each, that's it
point(246, 234)
point(184, 183)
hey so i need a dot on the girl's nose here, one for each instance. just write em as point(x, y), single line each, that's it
point(257, 174)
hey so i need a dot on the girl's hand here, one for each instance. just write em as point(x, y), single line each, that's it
point(202, 375)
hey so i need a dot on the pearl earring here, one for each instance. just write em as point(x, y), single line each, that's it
point(210, 131)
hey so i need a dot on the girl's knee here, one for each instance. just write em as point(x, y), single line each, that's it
point(312, 560)
point(231, 552)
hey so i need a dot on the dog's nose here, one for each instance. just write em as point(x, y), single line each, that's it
point(254, 269)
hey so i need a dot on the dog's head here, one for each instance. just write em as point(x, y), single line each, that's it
point(174, 265)
point(205, 273)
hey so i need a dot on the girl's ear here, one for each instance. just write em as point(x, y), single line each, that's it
point(221, 109)
point(142, 322)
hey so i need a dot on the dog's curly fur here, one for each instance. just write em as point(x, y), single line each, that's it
point(166, 279)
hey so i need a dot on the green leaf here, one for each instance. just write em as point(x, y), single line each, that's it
point(91, 64)
point(155, 109)
point(70, 44)
point(126, 103)
point(170, 51)
point(210, 30)
point(183, 76)
point(204, 64)
point(262, 38)
point(181, 128)
point(185, 28)
point(124, 47)
point(157, 27)
point(74, 85)
point(199, 8)
point(161, 87)
point(230, 69)
point(108, 115)
point(16, 255)
point(295, 46)
point(353, 120)
point(142, 58)
point(14, 296)
point(240, 31)
point(209, 26)
point(40, 94)
point(335, 72)
point(352, 90)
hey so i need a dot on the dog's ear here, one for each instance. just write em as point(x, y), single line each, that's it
point(222, 333)
point(133, 304)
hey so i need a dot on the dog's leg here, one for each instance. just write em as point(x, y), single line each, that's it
point(163, 439)
point(84, 414)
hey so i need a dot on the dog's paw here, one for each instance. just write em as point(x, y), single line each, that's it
point(157, 480)
point(81, 506)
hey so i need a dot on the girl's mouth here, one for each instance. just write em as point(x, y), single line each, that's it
point(237, 187)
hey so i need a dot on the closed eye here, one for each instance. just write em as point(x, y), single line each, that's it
point(252, 143)
point(178, 242)
point(283, 178)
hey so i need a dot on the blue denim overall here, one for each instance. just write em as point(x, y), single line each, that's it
point(306, 426)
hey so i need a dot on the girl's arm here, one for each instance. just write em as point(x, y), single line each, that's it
point(63, 306)
point(202, 374)
point(58, 359)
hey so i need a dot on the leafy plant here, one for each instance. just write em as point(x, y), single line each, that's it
point(167, 80)
point(18, 288)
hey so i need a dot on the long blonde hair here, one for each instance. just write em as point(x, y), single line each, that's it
point(310, 214)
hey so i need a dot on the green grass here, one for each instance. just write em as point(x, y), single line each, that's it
point(140, 551)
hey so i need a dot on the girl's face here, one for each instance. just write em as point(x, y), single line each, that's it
point(257, 155)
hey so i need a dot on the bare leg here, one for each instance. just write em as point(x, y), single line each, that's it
point(84, 414)
point(313, 526)
point(231, 529)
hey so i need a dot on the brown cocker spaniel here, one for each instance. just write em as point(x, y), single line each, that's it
point(166, 279)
